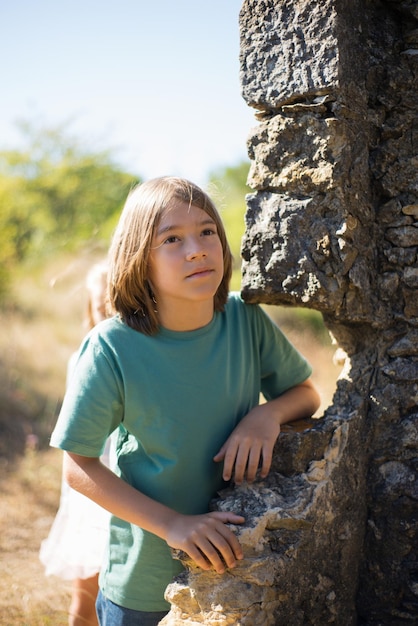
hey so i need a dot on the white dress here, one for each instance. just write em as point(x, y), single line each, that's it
point(76, 542)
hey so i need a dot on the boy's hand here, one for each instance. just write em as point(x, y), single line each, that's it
point(251, 441)
point(206, 539)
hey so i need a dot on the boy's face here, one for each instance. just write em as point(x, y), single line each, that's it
point(186, 259)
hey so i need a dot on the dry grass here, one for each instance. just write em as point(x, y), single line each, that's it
point(315, 345)
point(29, 497)
point(37, 337)
point(38, 333)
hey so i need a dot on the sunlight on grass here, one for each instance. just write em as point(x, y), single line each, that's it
point(30, 495)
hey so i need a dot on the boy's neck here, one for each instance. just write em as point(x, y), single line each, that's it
point(186, 317)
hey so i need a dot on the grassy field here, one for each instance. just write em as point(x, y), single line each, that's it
point(29, 494)
point(38, 333)
point(37, 336)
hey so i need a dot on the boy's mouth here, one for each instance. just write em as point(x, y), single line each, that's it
point(200, 272)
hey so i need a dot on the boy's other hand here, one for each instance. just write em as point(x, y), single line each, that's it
point(250, 443)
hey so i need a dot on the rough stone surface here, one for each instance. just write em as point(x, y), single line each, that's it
point(331, 536)
point(290, 519)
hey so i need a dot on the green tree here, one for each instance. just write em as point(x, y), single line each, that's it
point(55, 193)
point(228, 187)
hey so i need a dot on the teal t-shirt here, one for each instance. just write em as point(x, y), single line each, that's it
point(174, 398)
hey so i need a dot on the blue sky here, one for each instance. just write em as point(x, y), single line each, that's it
point(155, 80)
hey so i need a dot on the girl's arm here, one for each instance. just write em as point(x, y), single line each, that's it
point(205, 538)
point(254, 437)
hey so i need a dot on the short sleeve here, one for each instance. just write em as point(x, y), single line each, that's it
point(282, 365)
point(93, 403)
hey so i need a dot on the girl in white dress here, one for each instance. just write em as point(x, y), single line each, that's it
point(76, 541)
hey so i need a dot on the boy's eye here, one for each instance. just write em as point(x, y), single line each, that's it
point(209, 231)
point(171, 239)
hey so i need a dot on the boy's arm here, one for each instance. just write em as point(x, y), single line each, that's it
point(254, 437)
point(205, 538)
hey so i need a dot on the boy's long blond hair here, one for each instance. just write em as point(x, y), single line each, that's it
point(129, 291)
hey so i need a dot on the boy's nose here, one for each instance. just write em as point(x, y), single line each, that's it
point(196, 255)
point(196, 251)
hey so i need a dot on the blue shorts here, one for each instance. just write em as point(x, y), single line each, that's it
point(111, 614)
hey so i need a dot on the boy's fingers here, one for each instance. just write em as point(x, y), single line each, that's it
point(247, 462)
point(231, 537)
point(253, 463)
point(239, 469)
point(199, 558)
point(212, 555)
point(219, 455)
point(229, 461)
point(267, 459)
point(219, 549)
point(224, 544)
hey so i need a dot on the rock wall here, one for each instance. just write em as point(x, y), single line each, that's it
point(331, 535)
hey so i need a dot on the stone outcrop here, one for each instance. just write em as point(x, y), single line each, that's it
point(331, 535)
point(292, 520)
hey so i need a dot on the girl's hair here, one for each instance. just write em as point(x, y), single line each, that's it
point(96, 285)
point(129, 291)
